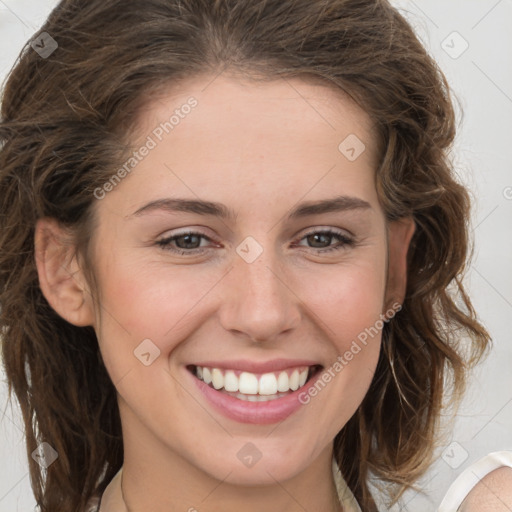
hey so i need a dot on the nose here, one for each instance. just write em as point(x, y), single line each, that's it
point(258, 301)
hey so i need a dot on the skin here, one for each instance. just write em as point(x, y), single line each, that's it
point(259, 149)
point(492, 494)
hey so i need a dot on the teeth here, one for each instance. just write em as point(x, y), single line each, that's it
point(268, 384)
point(294, 380)
point(248, 383)
point(217, 378)
point(230, 381)
point(252, 387)
point(207, 376)
point(282, 382)
point(259, 398)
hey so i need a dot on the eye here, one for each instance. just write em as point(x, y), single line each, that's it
point(187, 243)
point(322, 239)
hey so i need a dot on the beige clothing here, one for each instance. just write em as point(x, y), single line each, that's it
point(113, 502)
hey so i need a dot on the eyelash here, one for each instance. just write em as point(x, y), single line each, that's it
point(344, 239)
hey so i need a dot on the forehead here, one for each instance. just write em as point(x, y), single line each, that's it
point(284, 109)
point(249, 142)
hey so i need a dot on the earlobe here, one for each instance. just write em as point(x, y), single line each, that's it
point(400, 233)
point(60, 277)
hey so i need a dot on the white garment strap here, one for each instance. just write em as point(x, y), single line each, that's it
point(345, 496)
point(465, 482)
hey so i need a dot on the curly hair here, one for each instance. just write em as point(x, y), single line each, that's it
point(65, 121)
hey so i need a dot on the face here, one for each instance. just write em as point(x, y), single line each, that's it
point(269, 274)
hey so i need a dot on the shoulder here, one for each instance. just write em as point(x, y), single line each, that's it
point(486, 485)
point(493, 493)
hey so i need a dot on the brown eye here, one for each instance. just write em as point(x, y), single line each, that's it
point(188, 241)
point(321, 240)
point(184, 243)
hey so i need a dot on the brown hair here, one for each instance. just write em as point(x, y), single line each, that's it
point(63, 122)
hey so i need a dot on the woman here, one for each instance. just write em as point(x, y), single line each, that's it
point(231, 255)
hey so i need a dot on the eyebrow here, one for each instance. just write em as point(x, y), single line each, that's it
point(201, 207)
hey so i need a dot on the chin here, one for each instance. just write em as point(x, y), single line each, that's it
point(245, 468)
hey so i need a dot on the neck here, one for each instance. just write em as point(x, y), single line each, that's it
point(208, 495)
point(288, 499)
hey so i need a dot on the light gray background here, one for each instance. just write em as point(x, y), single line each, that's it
point(481, 78)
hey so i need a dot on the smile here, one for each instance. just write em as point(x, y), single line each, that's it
point(254, 397)
point(254, 387)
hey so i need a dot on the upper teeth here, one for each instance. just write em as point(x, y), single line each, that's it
point(251, 383)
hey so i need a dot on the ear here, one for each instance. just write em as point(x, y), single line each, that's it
point(400, 233)
point(60, 277)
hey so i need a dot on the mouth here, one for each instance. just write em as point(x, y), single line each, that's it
point(255, 387)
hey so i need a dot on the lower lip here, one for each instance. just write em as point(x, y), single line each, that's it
point(262, 413)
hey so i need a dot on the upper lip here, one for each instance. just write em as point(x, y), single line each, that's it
point(273, 365)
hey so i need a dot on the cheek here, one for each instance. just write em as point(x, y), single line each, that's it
point(139, 302)
point(349, 303)
point(348, 300)
point(350, 309)
point(148, 300)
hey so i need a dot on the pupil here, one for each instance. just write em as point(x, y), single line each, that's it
point(188, 237)
point(318, 235)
